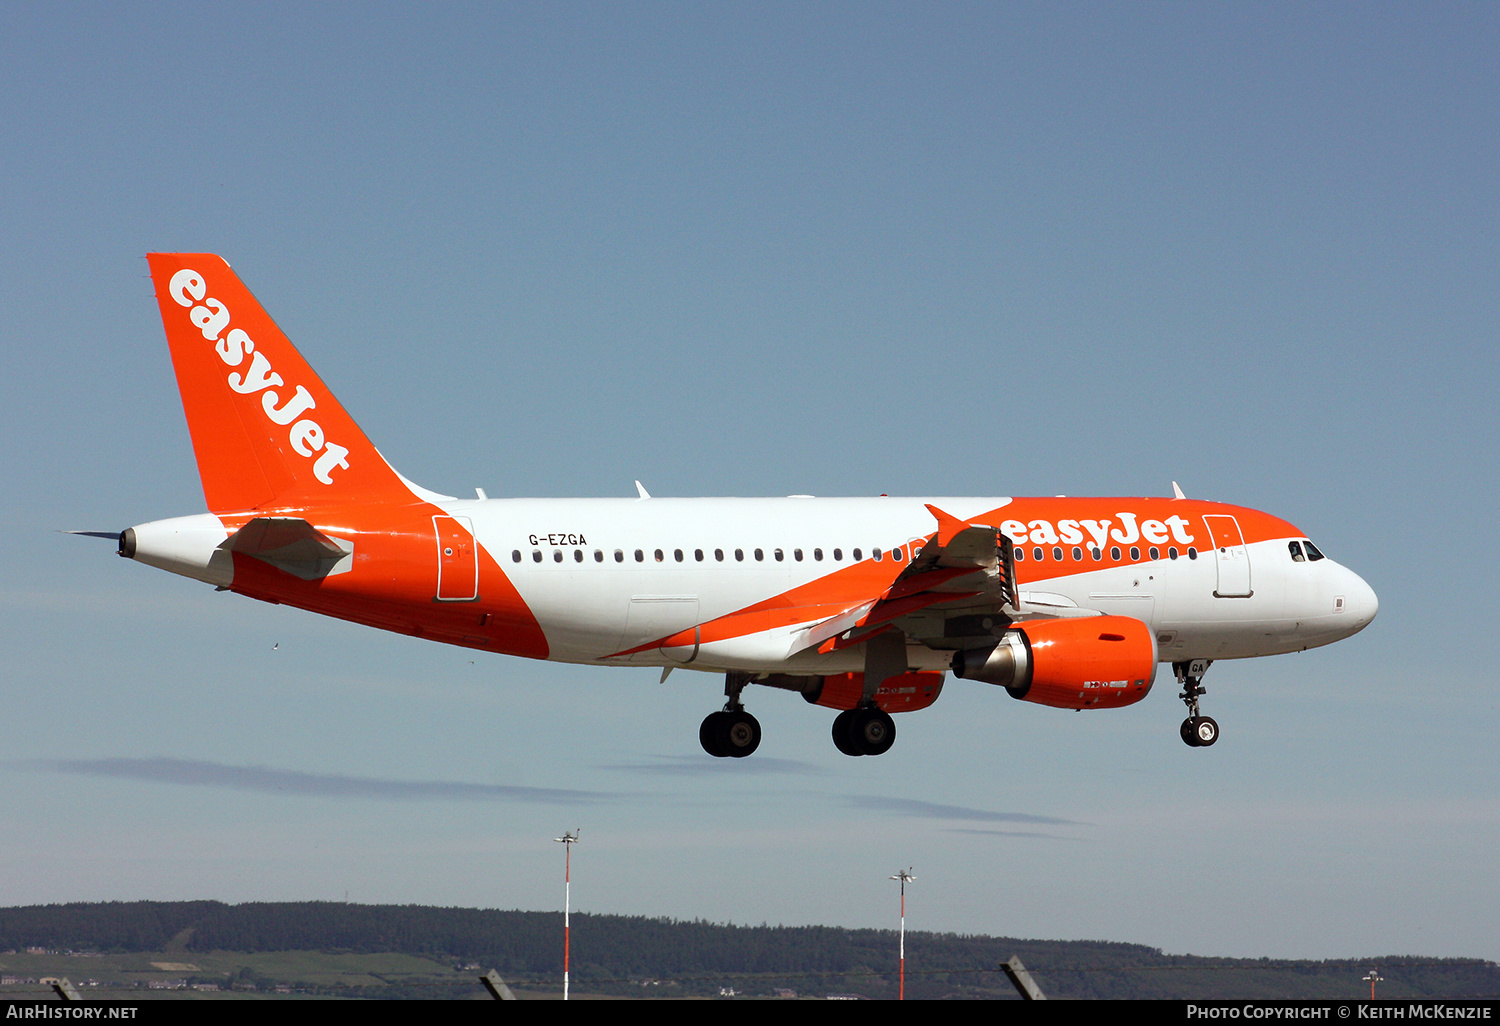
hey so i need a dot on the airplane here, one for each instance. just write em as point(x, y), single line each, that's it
point(860, 605)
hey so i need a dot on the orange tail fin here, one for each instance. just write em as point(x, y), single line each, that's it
point(266, 431)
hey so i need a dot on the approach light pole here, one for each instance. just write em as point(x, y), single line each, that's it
point(905, 877)
point(1374, 977)
point(567, 841)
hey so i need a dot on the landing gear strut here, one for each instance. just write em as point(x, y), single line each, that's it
point(864, 731)
point(1197, 731)
point(731, 732)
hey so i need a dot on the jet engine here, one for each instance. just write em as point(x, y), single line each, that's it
point(1093, 662)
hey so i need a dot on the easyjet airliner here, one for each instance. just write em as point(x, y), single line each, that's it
point(858, 605)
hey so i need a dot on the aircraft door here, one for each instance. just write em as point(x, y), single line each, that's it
point(1230, 556)
point(458, 559)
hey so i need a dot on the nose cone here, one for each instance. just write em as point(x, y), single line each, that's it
point(1360, 603)
point(1365, 603)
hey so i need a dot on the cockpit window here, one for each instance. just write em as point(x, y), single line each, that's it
point(1296, 550)
point(1313, 554)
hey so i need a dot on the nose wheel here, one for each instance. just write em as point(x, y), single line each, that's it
point(1198, 731)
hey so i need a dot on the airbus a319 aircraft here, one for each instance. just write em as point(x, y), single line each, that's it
point(858, 605)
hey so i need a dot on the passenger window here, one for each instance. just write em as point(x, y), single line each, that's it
point(1057, 553)
point(557, 555)
point(759, 555)
point(1135, 552)
point(1155, 552)
point(598, 556)
point(1192, 552)
point(797, 555)
point(739, 555)
point(1313, 555)
point(818, 555)
point(1096, 553)
point(857, 556)
point(640, 557)
point(779, 556)
point(719, 555)
point(1172, 552)
point(1295, 549)
point(1019, 554)
point(515, 555)
point(536, 555)
point(659, 557)
point(1077, 554)
point(619, 556)
point(677, 555)
point(838, 555)
point(1114, 552)
point(875, 554)
point(578, 555)
point(698, 555)
point(898, 554)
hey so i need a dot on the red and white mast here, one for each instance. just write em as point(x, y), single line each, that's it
point(567, 841)
point(905, 877)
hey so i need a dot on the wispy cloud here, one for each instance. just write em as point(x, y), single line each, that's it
point(195, 773)
point(932, 810)
point(977, 832)
point(696, 765)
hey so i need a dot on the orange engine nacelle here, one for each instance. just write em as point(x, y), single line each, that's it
point(906, 693)
point(1093, 662)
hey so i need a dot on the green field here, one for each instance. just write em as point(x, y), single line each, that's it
point(128, 950)
point(240, 974)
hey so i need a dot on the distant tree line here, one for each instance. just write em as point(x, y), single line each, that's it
point(616, 954)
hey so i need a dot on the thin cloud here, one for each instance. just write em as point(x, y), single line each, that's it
point(693, 765)
point(932, 810)
point(977, 832)
point(264, 780)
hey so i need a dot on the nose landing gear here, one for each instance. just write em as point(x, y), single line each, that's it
point(1197, 731)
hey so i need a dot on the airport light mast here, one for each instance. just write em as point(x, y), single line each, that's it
point(567, 840)
point(905, 877)
point(1374, 977)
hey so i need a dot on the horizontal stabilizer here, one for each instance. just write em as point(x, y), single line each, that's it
point(293, 545)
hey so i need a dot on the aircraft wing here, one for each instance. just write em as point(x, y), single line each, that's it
point(964, 572)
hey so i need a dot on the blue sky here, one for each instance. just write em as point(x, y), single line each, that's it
point(761, 250)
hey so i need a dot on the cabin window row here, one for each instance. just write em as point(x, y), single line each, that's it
point(716, 555)
point(1039, 553)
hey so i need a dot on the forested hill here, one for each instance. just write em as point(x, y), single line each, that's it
point(610, 952)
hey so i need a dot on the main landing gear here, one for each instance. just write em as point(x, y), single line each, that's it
point(864, 731)
point(732, 732)
point(1197, 731)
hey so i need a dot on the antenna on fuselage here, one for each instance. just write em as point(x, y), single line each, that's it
point(641, 490)
point(1177, 490)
